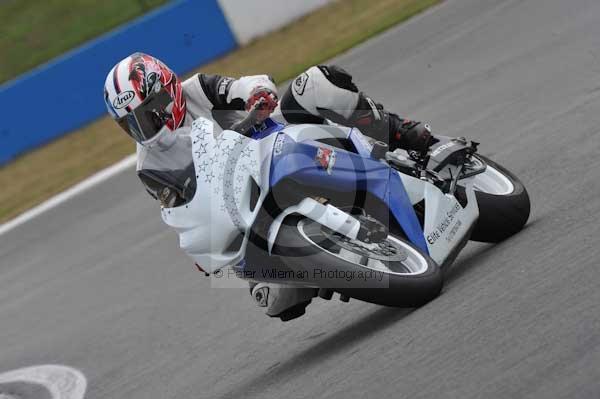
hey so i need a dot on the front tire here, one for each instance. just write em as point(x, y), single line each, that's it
point(504, 204)
point(411, 277)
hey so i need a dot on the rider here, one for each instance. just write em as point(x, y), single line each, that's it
point(150, 102)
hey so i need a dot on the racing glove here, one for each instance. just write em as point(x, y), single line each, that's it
point(264, 101)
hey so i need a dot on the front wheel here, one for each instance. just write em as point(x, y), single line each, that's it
point(409, 277)
point(503, 202)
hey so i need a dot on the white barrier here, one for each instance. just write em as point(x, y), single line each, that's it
point(249, 19)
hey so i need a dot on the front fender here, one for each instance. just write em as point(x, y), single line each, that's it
point(326, 215)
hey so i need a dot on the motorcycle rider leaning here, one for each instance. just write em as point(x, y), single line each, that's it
point(150, 103)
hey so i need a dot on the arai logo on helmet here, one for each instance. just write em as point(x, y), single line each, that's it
point(123, 99)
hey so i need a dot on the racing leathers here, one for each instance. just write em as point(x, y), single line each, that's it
point(319, 94)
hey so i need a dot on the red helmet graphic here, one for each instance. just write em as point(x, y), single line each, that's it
point(145, 97)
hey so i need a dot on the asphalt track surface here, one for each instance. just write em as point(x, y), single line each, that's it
point(100, 285)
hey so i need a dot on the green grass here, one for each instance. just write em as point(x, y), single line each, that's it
point(315, 38)
point(35, 31)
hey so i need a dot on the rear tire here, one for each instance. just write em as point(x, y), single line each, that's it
point(298, 252)
point(501, 216)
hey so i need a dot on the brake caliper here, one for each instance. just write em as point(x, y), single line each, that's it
point(371, 230)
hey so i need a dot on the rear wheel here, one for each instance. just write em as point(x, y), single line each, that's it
point(503, 202)
point(392, 272)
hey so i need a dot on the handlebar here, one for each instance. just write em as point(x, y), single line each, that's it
point(245, 126)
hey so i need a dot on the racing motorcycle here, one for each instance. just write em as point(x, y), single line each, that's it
point(325, 206)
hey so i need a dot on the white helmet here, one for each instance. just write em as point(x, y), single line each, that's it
point(145, 97)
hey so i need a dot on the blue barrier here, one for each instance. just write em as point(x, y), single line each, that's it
point(66, 93)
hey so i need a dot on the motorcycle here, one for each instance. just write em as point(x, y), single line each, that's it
point(325, 206)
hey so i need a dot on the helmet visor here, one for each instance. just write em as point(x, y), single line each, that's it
point(146, 120)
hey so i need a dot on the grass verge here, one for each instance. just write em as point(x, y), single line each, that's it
point(34, 31)
point(319, 36)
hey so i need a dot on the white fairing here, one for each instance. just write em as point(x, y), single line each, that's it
point(220, 210)
point(446, 221)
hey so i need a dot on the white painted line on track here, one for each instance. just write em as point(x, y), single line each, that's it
point(80, 187)
point(63, 382)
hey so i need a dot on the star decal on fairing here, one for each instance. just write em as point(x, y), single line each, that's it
point(219, 144)
point(202, 149)
point(238, 141)
point(208, 178)
point(225, 163)
point(203, 167)
point(247, 152)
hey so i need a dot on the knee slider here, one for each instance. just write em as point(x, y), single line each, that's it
point(314, 91)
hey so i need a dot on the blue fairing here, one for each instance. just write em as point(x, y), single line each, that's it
point(350, 172)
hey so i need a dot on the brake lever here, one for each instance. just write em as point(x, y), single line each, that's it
point(472, 149)
point(454, 181)
point(422, 162)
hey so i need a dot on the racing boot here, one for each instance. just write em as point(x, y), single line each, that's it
point(373, 120)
